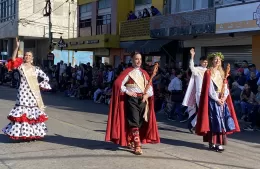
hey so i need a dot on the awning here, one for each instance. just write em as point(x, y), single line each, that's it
point(154, 45)
point(146, 46)
point(126, 45)
point(136, 46)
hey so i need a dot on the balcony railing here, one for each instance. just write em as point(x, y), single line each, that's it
point(135, 28)
point(87, 31)
point(104, 29)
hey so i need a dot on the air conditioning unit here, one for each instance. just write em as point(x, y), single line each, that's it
point(218, 2)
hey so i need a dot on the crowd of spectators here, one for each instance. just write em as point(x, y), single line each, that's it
point(145, 14)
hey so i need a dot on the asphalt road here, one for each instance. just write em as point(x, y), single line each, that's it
point(76, 134)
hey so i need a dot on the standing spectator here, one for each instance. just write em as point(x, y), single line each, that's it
point(2, 73)
point(175, 87)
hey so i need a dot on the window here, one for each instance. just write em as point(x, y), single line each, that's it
point(85, 15)
point(85, 23)
point(142, 2)
point(102, 4)
point(7, 10)
point(188, 5)
point(185, 5)
point(85, 8)
point(104, 19)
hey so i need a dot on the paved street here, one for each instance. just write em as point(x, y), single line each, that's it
point(76, 134)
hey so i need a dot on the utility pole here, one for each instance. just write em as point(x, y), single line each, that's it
point(69, 31)
point(48, 13)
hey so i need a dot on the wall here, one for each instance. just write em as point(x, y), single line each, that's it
point(33, 24)
point(221, 41)
point(256, 50)
point(123, 8)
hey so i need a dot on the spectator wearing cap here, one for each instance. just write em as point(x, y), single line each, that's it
point(241, 78)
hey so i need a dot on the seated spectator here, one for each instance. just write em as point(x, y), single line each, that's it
point(98, 93)
point(73, 90)
point(146, 13)
point(131, 16)
point(106, 95)
point(252, 82)
point(235, 94)
point(83, 89)
point(254, 116)
point(140, 15)
point(155, 11)
point(241, 78)
point(54, 85)
point(247, 99)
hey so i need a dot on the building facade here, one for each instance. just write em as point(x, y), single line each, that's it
point(210, 26)
point(168, 37)
point(105, 29)
point(24, 19)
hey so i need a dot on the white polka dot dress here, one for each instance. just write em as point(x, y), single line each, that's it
point(27, 120)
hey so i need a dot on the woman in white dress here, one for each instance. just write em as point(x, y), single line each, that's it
point(27, 117)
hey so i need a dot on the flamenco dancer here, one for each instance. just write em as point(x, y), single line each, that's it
point(27, 117)
point(192, 96)
point(131, 118)
point(216, 114)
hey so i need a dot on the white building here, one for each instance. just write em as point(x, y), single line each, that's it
point(24, 18)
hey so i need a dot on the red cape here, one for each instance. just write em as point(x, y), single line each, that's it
point(117, 129)
point(202, 126)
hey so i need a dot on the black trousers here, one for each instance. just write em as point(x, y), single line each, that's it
point(135, 109)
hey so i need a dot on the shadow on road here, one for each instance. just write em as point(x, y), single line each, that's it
point(59, 101)
point(131, 157)
point(182, 143)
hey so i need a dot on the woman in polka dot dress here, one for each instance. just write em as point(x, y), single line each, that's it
point(27, 117)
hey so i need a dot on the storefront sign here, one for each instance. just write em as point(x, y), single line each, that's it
point(101, 52)
point(239, 18)
point(92, 41)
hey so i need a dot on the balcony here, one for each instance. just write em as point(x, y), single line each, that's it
point(136, 29)
point(187, 24)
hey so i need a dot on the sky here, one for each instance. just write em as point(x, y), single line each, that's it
point(79, 56)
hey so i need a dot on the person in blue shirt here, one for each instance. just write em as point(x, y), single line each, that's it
point(155, 11)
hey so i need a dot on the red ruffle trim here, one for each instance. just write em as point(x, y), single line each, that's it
point(26, 138)
point(13, 64)
point(23, 118)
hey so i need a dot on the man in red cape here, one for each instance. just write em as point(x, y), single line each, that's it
point(119, 130)
point(203, 127)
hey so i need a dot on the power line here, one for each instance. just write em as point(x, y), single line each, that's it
point(52, 11)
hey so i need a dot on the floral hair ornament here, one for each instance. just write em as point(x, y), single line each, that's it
point(211, 56)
